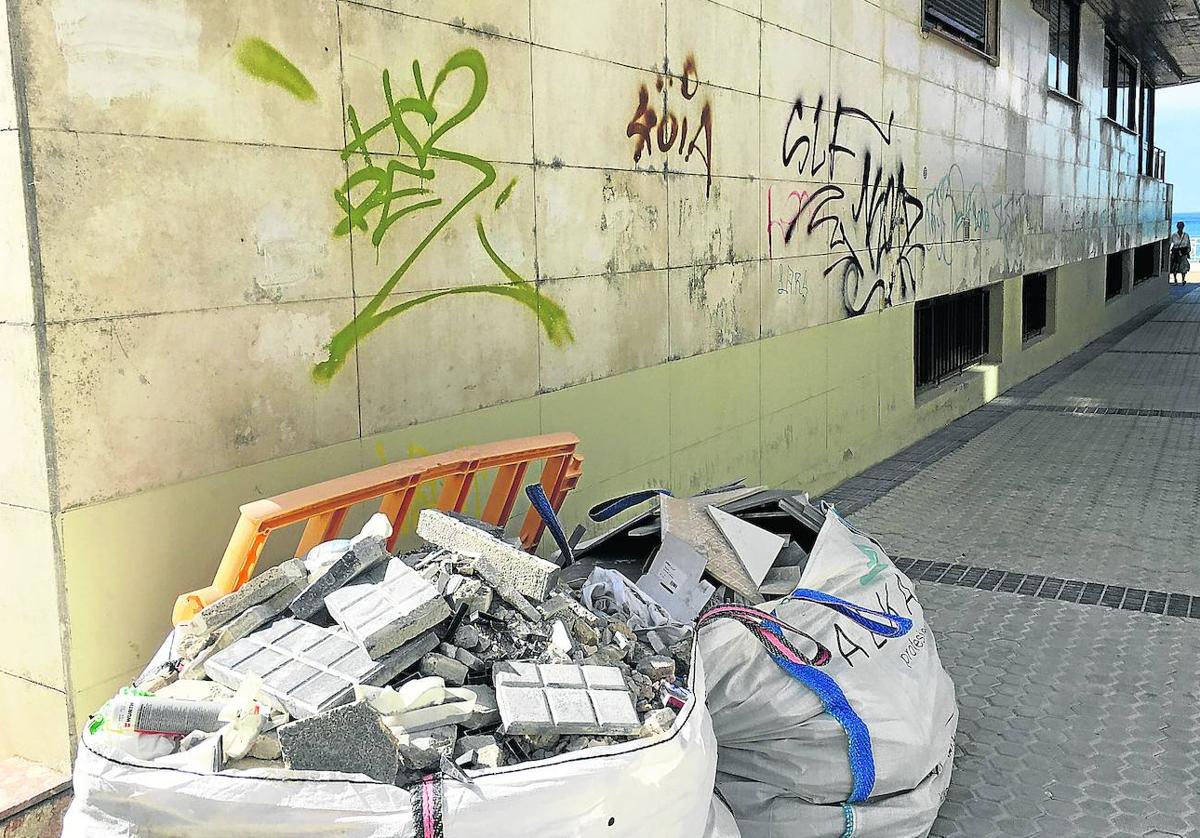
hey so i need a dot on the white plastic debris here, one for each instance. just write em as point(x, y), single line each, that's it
point(609, 593)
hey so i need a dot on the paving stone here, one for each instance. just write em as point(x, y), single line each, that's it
point(259, 589)
point(498, 562)
point(385, 615)
point(306, 669)
point(351, 739)
point(361, 557)
point(563, 699)
point(480, 751)
point(453, 672)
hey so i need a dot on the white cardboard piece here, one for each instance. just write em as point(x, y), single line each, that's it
point(673, 580)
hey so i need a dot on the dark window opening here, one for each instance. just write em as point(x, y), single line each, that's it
point(1120, 84)
point(1033, 306)
point(1146, 155)
point(949, 335)
point(1114, 275)
point(971, 21)
point(1146, 260)
point(1063, 57)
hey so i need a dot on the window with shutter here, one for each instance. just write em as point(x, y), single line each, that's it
point(971, 21)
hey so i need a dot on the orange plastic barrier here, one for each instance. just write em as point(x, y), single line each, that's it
point(325, 505)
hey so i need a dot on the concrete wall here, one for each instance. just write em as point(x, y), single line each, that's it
point(203, 269)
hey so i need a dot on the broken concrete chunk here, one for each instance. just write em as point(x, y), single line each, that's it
point(563, 699)
point(499, 563)
point(657, 668)
point(657, 722)
point(350, 739)
point(466, 637)
point(453, 672)
point(361, 557)
point(266, 746)
point(478, 752)
point(473, 663)
point(472, 593)
point(305, 669)
point(255, 617)
point(386, 615)
point(425, 750)
point(259, 589)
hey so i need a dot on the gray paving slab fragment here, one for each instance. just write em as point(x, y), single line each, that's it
point(537, 699)
point(351, 739)
point(306, 669)
point(361, 557)
point(498, 562)
point(385, 615)
point(259, 589)
point(453, 672)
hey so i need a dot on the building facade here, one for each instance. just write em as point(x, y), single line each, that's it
point(255, 245)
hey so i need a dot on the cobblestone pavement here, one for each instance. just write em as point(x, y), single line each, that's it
point(1054, 537)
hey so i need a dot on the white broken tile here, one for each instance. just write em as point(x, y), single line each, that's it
point(755, 547)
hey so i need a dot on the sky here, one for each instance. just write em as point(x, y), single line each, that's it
point(1178, 133)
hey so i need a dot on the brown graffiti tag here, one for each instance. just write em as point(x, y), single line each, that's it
point(671, 132)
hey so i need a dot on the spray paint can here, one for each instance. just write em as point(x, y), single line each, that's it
point(167, 716)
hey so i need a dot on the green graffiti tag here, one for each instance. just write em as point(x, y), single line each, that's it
point(265, 63)
point(382, 189)
point(874, 565)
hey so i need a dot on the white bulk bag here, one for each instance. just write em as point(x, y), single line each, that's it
point(878, 762)
point(661, 786)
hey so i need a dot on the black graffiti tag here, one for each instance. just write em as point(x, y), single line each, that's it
point(872, 223)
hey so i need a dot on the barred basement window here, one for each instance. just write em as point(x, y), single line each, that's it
point(1033, 306)
point(1114, 275)
point(949, 335)
point(973, 22)
point(1146, 260)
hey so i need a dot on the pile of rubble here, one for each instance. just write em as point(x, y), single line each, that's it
point(469, 654)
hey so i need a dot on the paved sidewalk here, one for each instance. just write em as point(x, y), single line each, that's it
point(1055, 534)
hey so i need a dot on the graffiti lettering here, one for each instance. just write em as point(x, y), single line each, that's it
point(792, 283)
point(870, 226)
point(952, 212)
point(671, 129)
point(796, 203)
point(391, 183)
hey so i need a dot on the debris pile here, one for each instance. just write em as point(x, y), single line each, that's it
point(467, 654)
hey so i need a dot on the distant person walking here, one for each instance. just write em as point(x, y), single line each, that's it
point(1181, 254)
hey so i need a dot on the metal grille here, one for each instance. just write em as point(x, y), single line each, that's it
point(1049, 587)
point(1033, 306)
point(1114, 274)
point(949, 334)
point(967, 18)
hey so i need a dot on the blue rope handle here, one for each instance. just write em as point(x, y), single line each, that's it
point(893, 626)
point(615, 506)
point(858, 735)
point(539, 501)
